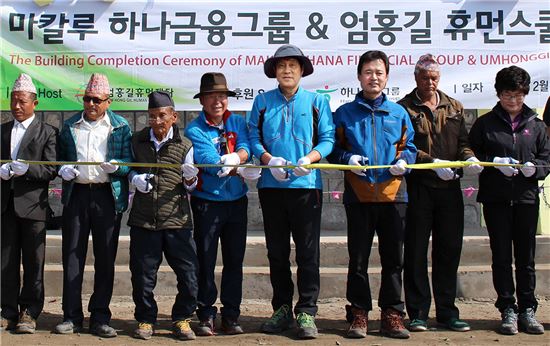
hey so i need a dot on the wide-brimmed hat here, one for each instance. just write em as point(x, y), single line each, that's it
point(213, 82)
point(287, 51)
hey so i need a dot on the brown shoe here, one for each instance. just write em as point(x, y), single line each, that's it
point(206, 327)
point(182, 330)
point(6, 324)
point(391, 324)
point(26, 325)
point(359, 323)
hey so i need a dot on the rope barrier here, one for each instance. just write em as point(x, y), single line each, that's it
point(325, 166)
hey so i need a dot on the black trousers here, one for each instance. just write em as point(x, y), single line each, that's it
point(439, 212)
point(22, 239)
point(512, 230)
point(224, 222)
point(388, 221)
point(296, 212)
point(91, 208)
point(146, 249)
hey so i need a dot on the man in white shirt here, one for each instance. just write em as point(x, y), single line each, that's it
point(24, 208)
point(94, 198)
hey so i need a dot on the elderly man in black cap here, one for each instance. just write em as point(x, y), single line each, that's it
point(160, 218)
point(290, 125)
point(219, 202)
point(24, 208)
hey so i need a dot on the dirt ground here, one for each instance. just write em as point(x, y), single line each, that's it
point(482, 315)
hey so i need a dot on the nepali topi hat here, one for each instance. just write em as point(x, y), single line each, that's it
point(24, 83)
point(98, 84)
point(159, 99)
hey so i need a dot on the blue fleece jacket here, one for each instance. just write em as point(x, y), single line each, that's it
point(207, 149)
point(288, 131)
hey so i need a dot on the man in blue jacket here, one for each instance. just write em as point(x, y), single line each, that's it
point(219, 202)
point(372, 130)
point(290, 125)
point(94, 198)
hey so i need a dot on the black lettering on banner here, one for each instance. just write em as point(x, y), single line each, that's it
point(315, 19)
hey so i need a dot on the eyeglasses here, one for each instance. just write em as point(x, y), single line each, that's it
point(95, 100)
point(512, 97)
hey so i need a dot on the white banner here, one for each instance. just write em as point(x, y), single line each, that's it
point(148, 45)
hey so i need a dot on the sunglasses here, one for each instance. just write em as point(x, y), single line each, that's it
point(95, 100)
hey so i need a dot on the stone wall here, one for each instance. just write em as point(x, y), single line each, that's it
point(333, 219)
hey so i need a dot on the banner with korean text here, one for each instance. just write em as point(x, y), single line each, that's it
point(152, 45)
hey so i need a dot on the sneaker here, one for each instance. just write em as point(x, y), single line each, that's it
point(528, 323)
point(509, 324)
point(67, 327)
point(306, 326)
point(281, 320)
point(231, 326)
point(144, 331)
point(359, 323)
point(418, 325)
point(391, 324)
point(26, 325)
point(103, 330)
point(182, 330)
point(206, 327)
point(457, 325)
point(7, 324)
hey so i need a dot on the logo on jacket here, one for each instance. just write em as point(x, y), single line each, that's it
point(526, 132)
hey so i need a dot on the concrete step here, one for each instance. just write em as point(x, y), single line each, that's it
point(473, 281)
point(334, 253)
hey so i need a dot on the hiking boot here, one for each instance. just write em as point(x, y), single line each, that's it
point(358, 326)
point(182, 330)
point(68, 327)
point(528, 323)
point(391, 324)
point(206, 327)
point(509, 324)
point(26, 325)
point(281, 320)
point(103, 330)
point(6, 324)
point(231, 326)
point(306, 326)
point(457, 325)
point(418, 325)
point(144, 331)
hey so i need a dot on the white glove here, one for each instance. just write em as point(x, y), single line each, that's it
point(473, 169)
point(5, 171)
point(228, 159)
point(188, 171)
point(19, 168)
point(399, 168)
point(68, 172)
point(358, 160)
point(508, 171)
point(109, 167)
point(249, 173)
point(141, 182)
point(280, 174)
point(301, 171)
point(445, 173)
point(528, 169)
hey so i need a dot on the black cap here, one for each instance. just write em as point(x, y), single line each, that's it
point(287, 51)
point(158, 99)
